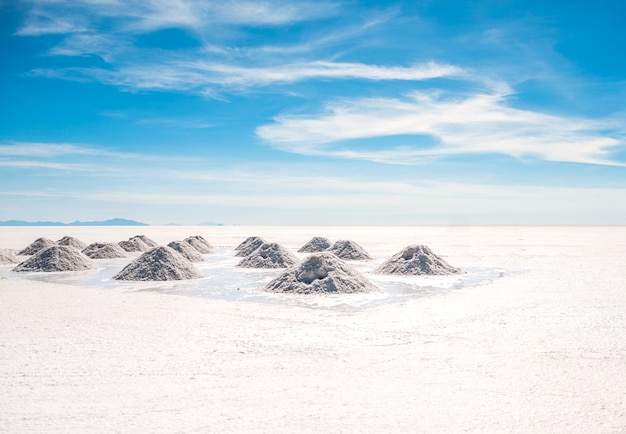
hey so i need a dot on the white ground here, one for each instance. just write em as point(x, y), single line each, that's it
point(541, 349)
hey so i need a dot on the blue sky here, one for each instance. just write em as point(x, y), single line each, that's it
point(321, 112)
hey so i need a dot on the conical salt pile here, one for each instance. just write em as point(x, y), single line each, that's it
point(316, 244)
point(37, 245)
point(249, 245)
point(269, 255)
point(320, 273)
point(199, 243)
point(7, 257)
point(104, 251)
point(187, 250)
point(57, 258)
point(159, 263)
point(346, 249)
point(134, 244)
point(72, 241)
point(416, 260)
point(149, 241)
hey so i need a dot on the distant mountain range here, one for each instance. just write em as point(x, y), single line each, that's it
point(111, 222)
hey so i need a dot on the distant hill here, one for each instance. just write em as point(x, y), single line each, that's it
point(210, 224)
point(111, 222)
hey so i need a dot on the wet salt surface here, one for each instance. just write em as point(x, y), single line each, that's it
point(226, 281)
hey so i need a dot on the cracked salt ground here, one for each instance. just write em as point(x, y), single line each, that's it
point(226, 281)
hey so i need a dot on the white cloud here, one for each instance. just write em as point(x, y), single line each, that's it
point(42, 20)
point(47, 150)
point(89, 153)
point(46, 165)
point(62, 17)
point(194, 124)
point(198, 76)
point(477, 123)
point(289, 73)
point(271, 12)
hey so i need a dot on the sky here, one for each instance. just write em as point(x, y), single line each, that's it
point(313, 113)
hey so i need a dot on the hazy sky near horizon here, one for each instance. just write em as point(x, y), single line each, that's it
point(320, 112)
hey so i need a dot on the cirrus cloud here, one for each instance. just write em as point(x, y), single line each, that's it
point(466, 124)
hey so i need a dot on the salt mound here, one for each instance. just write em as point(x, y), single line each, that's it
point(104, 251)
point(149, 241)
point(37, 245)
point(249, 245)
point(346, 249)
point(416, 260)
point(316, 244)
point(134, 244)
point(7, 257)
point(187, 250)
point(57, 258)
point(320, 273)
point(269, 255)
point(159, 263)
point(199, 243)
point(72, 241)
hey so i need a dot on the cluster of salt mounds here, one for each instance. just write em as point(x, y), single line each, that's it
point(37, 245)
point(72, 241)
point(159, 263)
point(57, 258)
point(316, 244)
point(187, 250)
point(346, 249)
point(199, 243)
point(320, 273)
point(249, 245)
point(269, 255)
point(416, 260)
point(7, 257)
point(138, 243)
point(104, 251)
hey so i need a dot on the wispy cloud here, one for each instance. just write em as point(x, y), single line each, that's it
point(197, 76)
point(62, 17)
point(289, 73)
point(47, 150)
point(193, 124)
point(42, 150)
point(461, 124)
point(47, 165)
point(45, 20)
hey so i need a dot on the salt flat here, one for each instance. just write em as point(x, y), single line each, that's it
point(540, 349)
